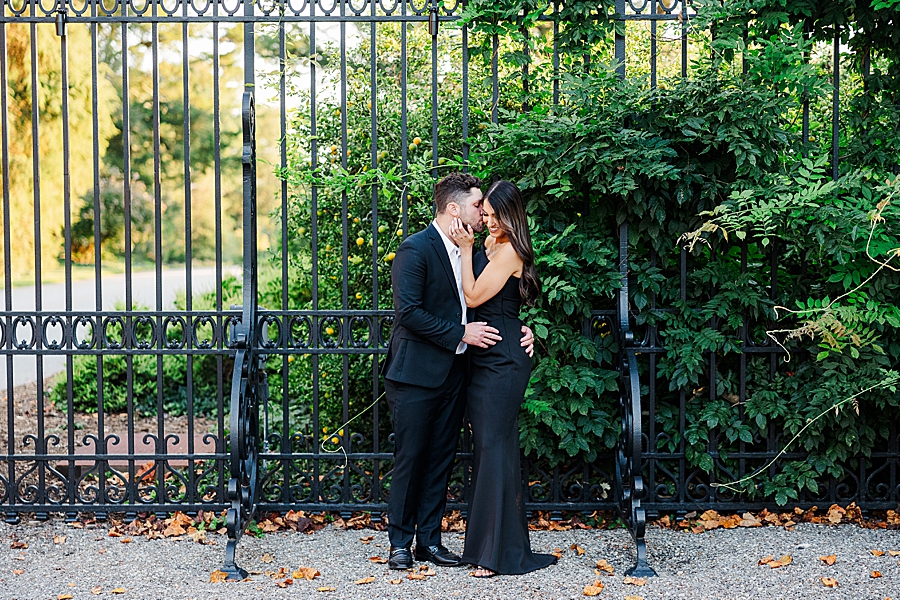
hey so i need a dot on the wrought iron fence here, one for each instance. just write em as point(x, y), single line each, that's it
point(66, 69)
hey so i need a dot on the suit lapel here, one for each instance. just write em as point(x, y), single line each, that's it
point(438, 243)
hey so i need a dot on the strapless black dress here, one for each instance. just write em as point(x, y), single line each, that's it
point(496, 527)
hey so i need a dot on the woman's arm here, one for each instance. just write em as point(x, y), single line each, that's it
point(504, 263)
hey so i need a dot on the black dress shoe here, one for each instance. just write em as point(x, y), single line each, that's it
point(439, 555)
point(401, 558)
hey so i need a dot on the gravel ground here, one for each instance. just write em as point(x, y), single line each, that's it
point(720, 564)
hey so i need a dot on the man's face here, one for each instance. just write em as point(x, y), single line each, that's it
point(470, 210)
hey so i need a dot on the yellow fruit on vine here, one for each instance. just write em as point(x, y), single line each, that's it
point(399, 233)
point(442, 160)
point(391, 255)
point(412, 147)
point(290, 359)
point(360, 241)
point(382, 229)
point(356, 219)
point(334, 149)
point(329, 331)
point(417, 140)
point(327, 247)
point(302, 230)
point(358, 296)
point(337, 112)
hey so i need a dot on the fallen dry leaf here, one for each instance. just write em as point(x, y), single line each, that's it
point(829, 582)
point(217, 576)
point(59, 539)
point(118, 591)
point(417, 576)
point(326, 589)
point(894, 552)
point(875, 574)
point(64, 597)
point(285, 583)
point(126, 540)
point(428, 572)
point(174, 530)
point(378, 559)
point(594, 589)
point(307, 573)
point(97, 590)
point(781, 562)
point(604, 566)
point(101, 551)
point(634, 598)
point(18, 571)
point(557, 552)
point(765, 560)
point(364, 580)
point(635, 581)
point(828, 560)
point(18, 545)
point(367, 539)
point(877, 552)
point(578, 549)
point(396, 581)
point(197, 535)
point(267, 558)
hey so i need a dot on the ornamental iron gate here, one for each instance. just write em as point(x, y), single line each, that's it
point(74, 72)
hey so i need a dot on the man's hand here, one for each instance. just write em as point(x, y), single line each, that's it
point(527, 340)
point(481, 334)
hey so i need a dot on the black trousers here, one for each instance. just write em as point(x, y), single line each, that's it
point(427, 422)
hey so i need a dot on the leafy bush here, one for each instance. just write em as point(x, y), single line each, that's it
point(150, 383)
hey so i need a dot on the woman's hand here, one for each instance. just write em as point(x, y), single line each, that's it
point(461, 234)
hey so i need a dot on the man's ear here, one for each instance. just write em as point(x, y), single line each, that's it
point(453, 209)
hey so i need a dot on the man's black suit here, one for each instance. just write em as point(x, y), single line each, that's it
point(424, 381)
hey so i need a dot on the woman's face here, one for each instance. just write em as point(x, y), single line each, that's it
point(492, 222)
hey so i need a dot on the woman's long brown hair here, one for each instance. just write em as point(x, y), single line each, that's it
point(509, 208)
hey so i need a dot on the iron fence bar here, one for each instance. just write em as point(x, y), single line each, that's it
point(836, 106)
point(126, 192)
point(67, 246)
point(629, 482)
point(7, 494)
point(285, 438)
point(373, 163)
point(158, 248)
point(345, 254)
point(38, 243)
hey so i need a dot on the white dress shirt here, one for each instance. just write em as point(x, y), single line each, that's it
point(456, 263)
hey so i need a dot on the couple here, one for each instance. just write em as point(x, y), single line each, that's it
point(456, 318)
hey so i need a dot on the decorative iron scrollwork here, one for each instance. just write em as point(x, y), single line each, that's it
point(629, 481)
point(249, 386)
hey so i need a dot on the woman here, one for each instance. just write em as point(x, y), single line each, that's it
point(496, 281)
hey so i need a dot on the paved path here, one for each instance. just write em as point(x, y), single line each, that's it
point(53, 298)
point(719, 564)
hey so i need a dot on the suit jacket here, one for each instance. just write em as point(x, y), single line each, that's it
point(427, 312)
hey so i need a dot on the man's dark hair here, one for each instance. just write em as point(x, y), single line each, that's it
point(453, 188)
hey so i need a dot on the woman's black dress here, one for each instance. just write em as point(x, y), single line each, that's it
point(496, 529)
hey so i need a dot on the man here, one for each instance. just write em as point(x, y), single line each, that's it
point(425, 372)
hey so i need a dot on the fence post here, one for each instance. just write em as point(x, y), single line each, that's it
point(248, 382)
point(629, 482)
